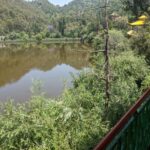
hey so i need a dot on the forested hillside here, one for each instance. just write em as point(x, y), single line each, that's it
point(45, 6)
point(19, 15)
point(80, 18)
point(77, 19)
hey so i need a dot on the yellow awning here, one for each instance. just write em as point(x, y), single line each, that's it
point(143, 17)
point(137, 23)
point(131, 33)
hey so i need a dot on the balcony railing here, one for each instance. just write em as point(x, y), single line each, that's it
point(132, 132)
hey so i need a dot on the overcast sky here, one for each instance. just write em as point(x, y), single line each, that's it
point(60, 2)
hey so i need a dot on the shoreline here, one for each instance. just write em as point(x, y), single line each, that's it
point(50, 40)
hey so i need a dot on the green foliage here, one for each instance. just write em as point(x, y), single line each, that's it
point(137, 6)
point(120, 23)
point(126, 69)
point(98, 42)
point(61, 26)
point(146, 83)
point(39, 37)
point(141, 42)
point(77, 120)
point(45, 6)
point(118, 42)
point(19, 15)
point(80, 18)
point(132, 66)
point(71, 123)
point(55, 35)
point(13, 36)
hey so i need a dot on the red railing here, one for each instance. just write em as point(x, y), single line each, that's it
point(121, 124)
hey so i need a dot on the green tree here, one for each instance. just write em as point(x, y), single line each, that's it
point(39, 37)
point(62, 26)
point(137, 6)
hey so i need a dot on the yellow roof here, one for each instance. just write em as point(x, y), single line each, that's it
point(143, 17)
point(137, 23)
point(131, 32)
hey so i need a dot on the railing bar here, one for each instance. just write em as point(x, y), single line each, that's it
point(117, 128)
point(143, 105)
point(119, 135)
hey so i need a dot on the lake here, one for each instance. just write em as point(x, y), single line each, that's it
point(50, 66)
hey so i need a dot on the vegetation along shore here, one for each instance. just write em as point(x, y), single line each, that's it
point(102, 91)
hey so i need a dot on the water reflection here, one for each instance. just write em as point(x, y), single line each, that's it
point(52, 64)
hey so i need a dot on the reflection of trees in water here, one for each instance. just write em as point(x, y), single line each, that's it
point(2, 45)
point(63, 54)
point(16, 61)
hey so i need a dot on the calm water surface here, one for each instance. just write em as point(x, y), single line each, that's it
point(52, 64)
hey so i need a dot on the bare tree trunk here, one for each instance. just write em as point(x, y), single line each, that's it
point(106, 54)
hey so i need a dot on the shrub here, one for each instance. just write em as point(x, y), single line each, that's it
point(13, 36)
point(125, 70)
point(118, 42)
point(39, 37)
point(55, 35)
point(98, 42)
point(141, 42)
point(74, 122)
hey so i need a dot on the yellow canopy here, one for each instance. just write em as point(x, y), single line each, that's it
point(137, 23)
point(143, 17)
point(131, 33)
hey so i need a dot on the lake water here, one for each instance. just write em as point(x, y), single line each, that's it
point(50, 64)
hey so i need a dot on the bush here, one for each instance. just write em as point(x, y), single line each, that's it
point(98, 42)
point(146, 82)
point(18, 36)
point(118, 42)
point(39, 37)
point(141, 42)
point(121, 23)
point(73, 123)
point(24, 36)
point(126, 69)
point(13, 36)
point(55, 35)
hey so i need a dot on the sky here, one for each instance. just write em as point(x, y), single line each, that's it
point(60, 2)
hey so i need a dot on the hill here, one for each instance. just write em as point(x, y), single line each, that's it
point(78, 18)
point(19, 15)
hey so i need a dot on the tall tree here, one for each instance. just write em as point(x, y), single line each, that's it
point(137, 6)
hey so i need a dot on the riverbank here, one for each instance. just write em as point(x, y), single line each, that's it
point(48, 40)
